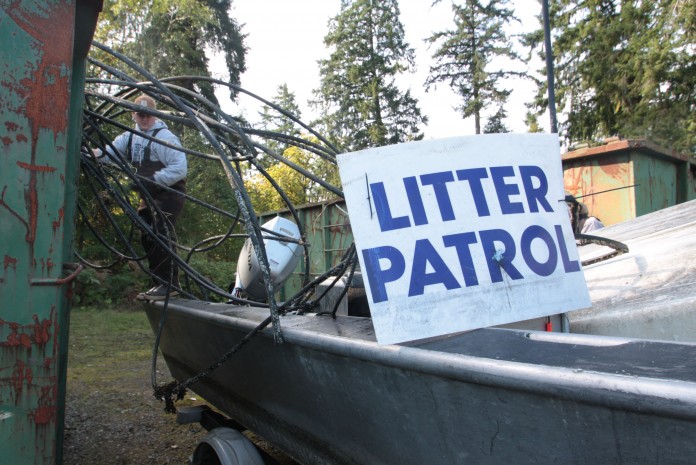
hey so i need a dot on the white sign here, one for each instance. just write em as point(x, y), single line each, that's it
point(462, 233)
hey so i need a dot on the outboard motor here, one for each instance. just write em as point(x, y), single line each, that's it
point(282, 255)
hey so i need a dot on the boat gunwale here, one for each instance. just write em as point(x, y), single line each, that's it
point(657, 396)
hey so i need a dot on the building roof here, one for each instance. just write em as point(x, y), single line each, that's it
point(615, 146)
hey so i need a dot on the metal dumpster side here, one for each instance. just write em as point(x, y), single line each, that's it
point(45, 44)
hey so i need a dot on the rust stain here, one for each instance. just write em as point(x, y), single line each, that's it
point(61, 216)
point(21, 138)
point(6, 141)
point(612, 168)
point(41, 331)
point(31, 198)
point(37, 333)
point(572, 180)
point(15, 339)
point(11, 126)
point(45, 413)
point(46, 94)
point(21, 374)
point(56, 327)
point(52, 70)
point(40, 168)
point(10, 262)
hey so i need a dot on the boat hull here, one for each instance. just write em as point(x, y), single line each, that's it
point(331, 394)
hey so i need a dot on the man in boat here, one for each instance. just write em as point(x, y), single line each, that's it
point(580, 217)
point(161, 171)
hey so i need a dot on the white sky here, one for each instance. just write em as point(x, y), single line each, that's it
point(285, 40)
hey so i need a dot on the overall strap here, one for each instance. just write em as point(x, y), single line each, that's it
point(146, 150)
point(129, 152)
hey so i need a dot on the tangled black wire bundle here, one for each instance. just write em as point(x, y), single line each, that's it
point(233, 148)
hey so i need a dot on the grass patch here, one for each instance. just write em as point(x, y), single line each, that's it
point(109, 345)
point(112, 416)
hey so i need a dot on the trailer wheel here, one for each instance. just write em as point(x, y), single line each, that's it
point(226, 446)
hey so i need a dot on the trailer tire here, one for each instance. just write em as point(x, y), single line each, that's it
point(226, 446)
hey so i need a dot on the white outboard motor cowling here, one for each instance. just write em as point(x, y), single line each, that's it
point(282, 259)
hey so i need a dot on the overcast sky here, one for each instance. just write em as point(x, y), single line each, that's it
point(285, 40)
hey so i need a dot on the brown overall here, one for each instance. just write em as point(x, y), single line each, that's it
point(170, 203)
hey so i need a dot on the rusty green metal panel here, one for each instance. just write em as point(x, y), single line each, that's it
point(40, 114)
point(589, 175)
point(642, 177)
point(657, 180)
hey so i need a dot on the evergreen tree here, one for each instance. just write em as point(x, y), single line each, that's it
point(627, 68)
point(169, 37)
point(274, 120)
point(358, 99)
point(467, 56)
point(496, 123)
point(532, 122)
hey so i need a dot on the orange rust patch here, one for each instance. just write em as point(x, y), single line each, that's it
point(40, 168)
point(44, 414)
point(10, 262)
point(48, 88)
point(20, 375)
point(57, 223)
point(612, 168)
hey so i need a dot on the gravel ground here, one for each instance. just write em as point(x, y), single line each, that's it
point(112, 417)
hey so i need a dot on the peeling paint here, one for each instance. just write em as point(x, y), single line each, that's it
point(51, 70)
point(37, 333)
point(41, 333)
point(39, 168)
point(45, 413)
point(36, 87)
point(613, 169)
point(14, 338)
point(21, 374)
point(58, 223)
point(10, 262)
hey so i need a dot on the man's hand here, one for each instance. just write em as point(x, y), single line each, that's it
point(90, 152)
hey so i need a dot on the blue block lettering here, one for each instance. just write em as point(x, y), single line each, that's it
point(474, 177)
point(423, 255)
point(377, 276)
point(489, 238)
point(415, 201)
point(540, 268)
point(439, 182)
point(384, 215)
point(570, 266)
point(461, 243)
point(535, 195)
point(504, 191)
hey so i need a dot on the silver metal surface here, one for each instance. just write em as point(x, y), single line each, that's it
point(330, 394)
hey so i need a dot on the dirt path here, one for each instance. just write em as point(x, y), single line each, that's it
point(112, 417)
